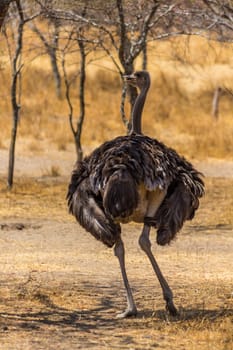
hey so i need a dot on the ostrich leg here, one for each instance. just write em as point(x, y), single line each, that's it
point(145, 245)
point(120, 254)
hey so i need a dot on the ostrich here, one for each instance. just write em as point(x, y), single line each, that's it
point(135, 178)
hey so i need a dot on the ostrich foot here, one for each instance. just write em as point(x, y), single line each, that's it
point(127, 313)
point(170, 307)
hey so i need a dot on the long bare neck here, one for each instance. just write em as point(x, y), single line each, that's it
point(137, 111)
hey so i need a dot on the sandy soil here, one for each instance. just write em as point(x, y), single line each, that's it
point(61, 289)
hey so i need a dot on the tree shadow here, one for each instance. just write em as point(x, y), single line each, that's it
point(101, 317)
point(56, 316)
point(92, 318)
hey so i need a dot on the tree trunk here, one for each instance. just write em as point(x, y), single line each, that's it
point(81, 98)
point(56, 73)
point(144, 57)
point(127, 61)
point(14, 90)
point(132, 93)
point(11, 165)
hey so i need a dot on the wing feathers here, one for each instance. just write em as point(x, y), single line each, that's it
point(104, 186)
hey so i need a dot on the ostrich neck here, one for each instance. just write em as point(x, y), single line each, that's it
point(137, 111)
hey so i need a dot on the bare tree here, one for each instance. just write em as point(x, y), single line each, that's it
point(131, 46)
point(15, 91)
point(121, 29)
point(82, 80)
point(219, 15)
point(75, 35)
point(16, 68)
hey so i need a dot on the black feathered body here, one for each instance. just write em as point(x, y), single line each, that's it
point(134, 178)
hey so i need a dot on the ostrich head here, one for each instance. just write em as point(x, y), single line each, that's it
point(139, 79)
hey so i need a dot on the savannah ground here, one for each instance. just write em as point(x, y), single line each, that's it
point(59, 287)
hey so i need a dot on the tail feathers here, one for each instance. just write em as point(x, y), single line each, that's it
point(88, 212)
point(120, 195)
point(179, 205)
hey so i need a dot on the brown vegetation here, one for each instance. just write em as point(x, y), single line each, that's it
point(178, 110)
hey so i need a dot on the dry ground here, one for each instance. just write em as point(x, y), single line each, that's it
point(61, 289)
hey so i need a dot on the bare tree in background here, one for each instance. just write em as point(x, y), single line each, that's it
point(82, 80)
point(220, 14)
point(75, 36)
point(212, 19)
point(131, 45)
point(16, 67)
point(121, 29)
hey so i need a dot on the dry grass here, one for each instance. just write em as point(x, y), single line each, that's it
point(31, 198)
point(178, 110)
